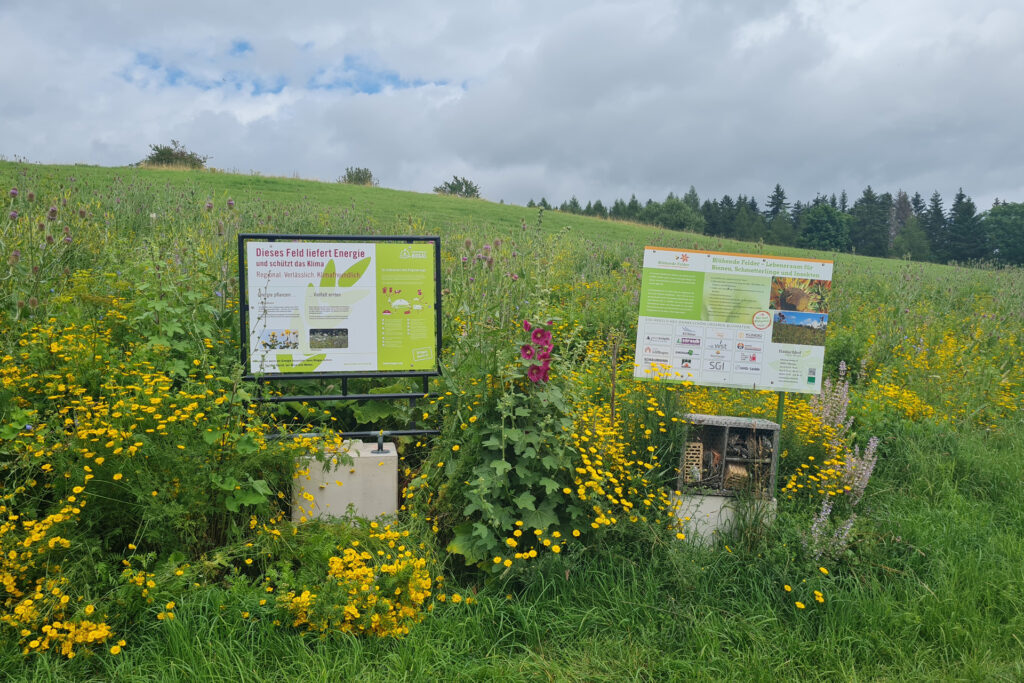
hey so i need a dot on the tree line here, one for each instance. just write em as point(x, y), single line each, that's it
point(875, 224)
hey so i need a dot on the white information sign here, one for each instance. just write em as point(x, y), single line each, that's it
point(733, 320)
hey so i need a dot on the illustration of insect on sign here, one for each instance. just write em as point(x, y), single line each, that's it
point(733, 320)
point(327, 305)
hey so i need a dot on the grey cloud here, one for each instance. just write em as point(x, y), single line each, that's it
point(600, 100)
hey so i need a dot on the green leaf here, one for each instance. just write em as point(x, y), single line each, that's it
point(501, 466)
point(540, 519)
point(224, 483)
point(465, 544)
point(374, 411)
point(354, 273)
point(247, 497)
point(551, 462)
point(260, 486)
point(525, 501)
point(550, 485)
point(329, 275)
point(212, 436)
point(246, 445)
point(513, 434)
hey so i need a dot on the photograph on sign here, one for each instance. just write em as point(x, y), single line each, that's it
point(733, 320)
point(338, 306)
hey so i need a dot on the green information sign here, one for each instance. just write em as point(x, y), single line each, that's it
point(340, 305)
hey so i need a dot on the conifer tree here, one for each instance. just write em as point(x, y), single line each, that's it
point(966, 236)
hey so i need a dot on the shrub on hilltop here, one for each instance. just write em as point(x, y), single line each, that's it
point(174, 154)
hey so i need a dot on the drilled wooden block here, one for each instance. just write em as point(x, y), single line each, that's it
point(693, 460)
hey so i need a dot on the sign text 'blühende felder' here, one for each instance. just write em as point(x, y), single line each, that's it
point(733, 320)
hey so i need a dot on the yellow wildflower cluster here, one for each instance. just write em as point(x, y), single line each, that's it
point(35, 605)
point(366, 593)
point(612, 478)
point(896, 400)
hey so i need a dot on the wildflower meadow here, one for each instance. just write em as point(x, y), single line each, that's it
point(148, 524)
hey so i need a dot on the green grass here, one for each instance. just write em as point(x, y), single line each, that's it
point(934, 587)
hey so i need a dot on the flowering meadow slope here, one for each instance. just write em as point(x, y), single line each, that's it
point(146, 494)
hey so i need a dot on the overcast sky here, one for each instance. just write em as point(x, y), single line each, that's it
point(530, 99)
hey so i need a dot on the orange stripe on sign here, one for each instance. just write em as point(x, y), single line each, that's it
point(731, 253)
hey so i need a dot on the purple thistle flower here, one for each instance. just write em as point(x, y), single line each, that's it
point(13, 215)
point(209, 206)
point(231, 203)
point(52, 213)
point(14, 192)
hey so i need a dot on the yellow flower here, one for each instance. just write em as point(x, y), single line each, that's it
point(799, 605)
point(787, 588)
point(117, 477)
point(115, 650)
point(823, 571)
point(455, 447)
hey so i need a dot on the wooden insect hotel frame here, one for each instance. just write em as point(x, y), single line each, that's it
point(725, 456)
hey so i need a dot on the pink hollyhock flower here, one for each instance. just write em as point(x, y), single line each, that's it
point(526, 325)
point(526, 351)
point(536, 373)
point(541, 337)
point(544, 353)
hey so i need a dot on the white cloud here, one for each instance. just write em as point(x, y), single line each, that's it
point(599, 100)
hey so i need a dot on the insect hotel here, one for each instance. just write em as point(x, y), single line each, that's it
point(728, 462)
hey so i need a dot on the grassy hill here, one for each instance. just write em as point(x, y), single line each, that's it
point(127, 295)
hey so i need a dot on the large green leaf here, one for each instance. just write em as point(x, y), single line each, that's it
point(354, 273)
point(501, 466)
point(373, 411)
point(525, 501)
point(329, 275)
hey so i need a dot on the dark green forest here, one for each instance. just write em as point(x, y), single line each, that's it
point(875, 224)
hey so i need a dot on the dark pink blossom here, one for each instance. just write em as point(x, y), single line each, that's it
point(536, 373)
point(527, 325)
point(541, 337)
point(527, 352)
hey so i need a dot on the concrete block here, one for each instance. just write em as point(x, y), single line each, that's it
point(706, 516)
point(369, 484)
